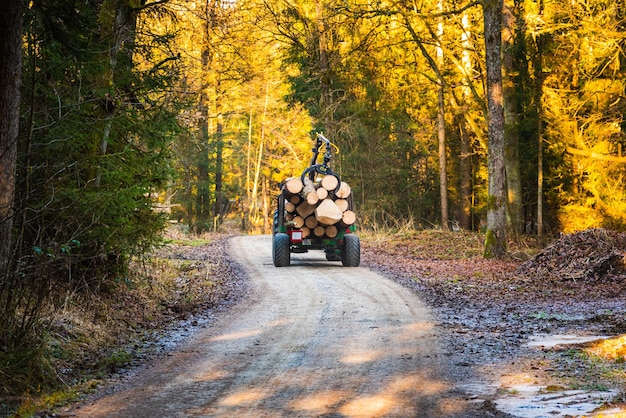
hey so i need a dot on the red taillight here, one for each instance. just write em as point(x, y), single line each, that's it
point(296, 235)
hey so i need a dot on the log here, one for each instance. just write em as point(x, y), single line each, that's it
point(312, 198)
point(331, 231)
point(329, 183)
point(306, 232)
point(348, 218)
point(298, 222)
point(293, 185)
point(319, 231)
point(328, 213)
point(295, 199)
point(311, 222)
point(304, 209)
point(322, 193)
point(309, 193)
point(344, 191)
point(289, 216)
point(290, 207)
point(342, 204)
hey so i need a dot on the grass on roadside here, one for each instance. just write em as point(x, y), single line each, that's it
point(91, 335)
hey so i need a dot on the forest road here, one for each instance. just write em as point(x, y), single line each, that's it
point(313, 339)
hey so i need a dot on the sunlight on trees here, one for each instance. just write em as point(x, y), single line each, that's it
point(584, 108)
point(133, 113)
point(242, 139)
point(367, 76)
point(400, 89)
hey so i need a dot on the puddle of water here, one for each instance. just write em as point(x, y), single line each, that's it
point(549, 341)
point(530, 401)
point(533, 401)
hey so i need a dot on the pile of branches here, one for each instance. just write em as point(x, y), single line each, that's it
point(591, 254)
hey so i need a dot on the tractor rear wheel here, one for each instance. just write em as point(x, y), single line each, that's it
point(351, 251)
point(280, 250)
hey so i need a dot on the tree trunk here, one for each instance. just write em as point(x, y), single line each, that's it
point(436, 64)
point(538, 65)
point(219, 157)
point(254, 202)
point(443, 171)
point(495, 242)
point(247, 214)
point(465, 168)
point(203, 192)
point(10, 78)
point(267, 222)
point(202, 165)
point(441, 128)
point(511, 110)
point(539, 152)
point(465, 163)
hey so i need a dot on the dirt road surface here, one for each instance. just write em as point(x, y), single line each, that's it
point(313, 339)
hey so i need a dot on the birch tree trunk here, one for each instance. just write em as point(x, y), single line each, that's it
point(10, 78)
point(495, 242)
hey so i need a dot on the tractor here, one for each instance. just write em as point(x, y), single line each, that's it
point(316, 212)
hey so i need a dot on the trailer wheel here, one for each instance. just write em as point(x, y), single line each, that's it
point(351, 251)
point(280, 250)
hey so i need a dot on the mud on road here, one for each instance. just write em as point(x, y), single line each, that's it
point(313, 339)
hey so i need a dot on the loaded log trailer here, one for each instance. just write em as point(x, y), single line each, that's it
point(316, 212)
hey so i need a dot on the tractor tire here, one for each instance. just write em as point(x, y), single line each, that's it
point(351, 251)
point(280, 250)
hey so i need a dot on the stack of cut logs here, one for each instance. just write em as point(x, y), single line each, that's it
point(315, 207)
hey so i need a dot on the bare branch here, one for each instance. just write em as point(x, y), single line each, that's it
point(595, 155)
